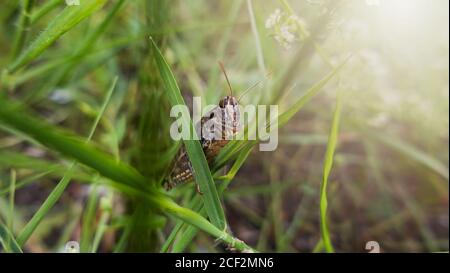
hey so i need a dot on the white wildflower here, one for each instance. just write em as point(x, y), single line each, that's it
point(285, 36)
point(294, 21)
point(282, 41)
point(285, 32)
point(298, 25)
point(274, 18)
point(286, 29)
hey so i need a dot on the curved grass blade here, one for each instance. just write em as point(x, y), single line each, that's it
point(12, 193)
point(189, 216)
point(200, 222)
point(189, 234)
point(287, 115)
point(195, 205)
point(57, 192)
point(186, 238)
point(69, 145)
point(21, 33)
point(85, 46)
point(66, 20)
point(202, 173)
point(26, 181)
point(8, 241)
point(327, 165)
point(44, 9)
point(412, 152)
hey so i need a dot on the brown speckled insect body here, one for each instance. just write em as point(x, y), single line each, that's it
point(225, 116)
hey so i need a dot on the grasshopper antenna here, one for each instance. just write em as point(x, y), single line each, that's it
point(254, 85)
point(226, 77)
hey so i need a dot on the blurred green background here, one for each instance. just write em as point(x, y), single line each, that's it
point(389, 181)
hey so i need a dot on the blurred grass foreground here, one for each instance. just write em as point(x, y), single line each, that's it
point(363, 152)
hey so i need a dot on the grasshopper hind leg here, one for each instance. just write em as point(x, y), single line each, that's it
point(182, 172)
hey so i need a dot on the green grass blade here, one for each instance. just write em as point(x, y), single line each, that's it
point(202, 173)
point(179, 245)
point(102, 109)
point(66, 20)
point(189, 216)
point(196, 205)
point(44, 9)
point(287, 115)
point(57, 192)
point(26, 181)
point(97, 32)
point(105, 205)
point(327, 165)
point(68, 144)
point(258, 47)
point(88, 219)
point(200, 222)
point(318, 247)
point(84, 47)
point(12, 191)
point(22, 28)
point(186, 238)
point(173, 234)
point(240, 160)
point(189, 234)
point(8, 241)
point(51, 200)
point(413, 153)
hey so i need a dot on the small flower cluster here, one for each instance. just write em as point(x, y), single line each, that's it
point(286, 28)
